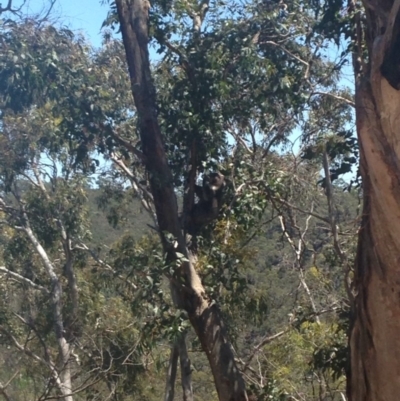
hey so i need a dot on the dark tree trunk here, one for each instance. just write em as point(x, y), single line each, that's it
point(203, 313)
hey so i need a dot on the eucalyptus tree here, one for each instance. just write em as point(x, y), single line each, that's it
point(55, 94)
point(233, 82)
point(238, 71)
point(374, 32)
point(374, 341)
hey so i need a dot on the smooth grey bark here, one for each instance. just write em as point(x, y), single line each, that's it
point(64, 381)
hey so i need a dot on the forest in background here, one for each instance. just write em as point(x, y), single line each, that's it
point(253, 90)
point(271, 308)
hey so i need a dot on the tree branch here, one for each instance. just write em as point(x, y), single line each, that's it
point(101, 262)
point(69, 258)
point(299, 251)
point(171, 373)
point(309, 212)
point(264, 341)
point(337, 97)
point(334, 228)
point(3, 387)
point(145, 196)
point(198, 17)
point(267, 339)
point(22, 279)
point(270, 42)
point(34, 356)
point(129, 146)
point(56, 302)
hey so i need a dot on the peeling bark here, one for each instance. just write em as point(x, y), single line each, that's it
point(374, 339)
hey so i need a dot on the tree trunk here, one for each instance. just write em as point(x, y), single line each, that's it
point(169, 394)
point(64, 381)
point(179, 350)
point(374, 339)
point(203, 313)
point(186, 369)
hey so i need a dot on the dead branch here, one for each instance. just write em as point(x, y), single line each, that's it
point(21, 279)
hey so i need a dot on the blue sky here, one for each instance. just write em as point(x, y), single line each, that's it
point(86, 16)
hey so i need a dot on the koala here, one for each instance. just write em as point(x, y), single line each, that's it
point(209, 202)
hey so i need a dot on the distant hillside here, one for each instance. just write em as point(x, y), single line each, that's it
point(135, 222)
